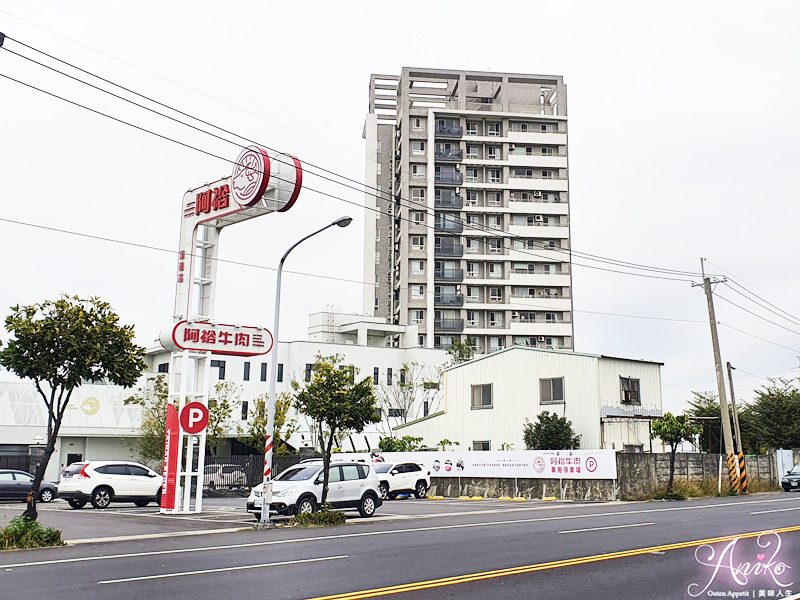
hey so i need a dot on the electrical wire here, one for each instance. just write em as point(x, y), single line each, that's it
point(782, 313)
point(757, 315)
point(756, 337)
point(734, 277)
point(588, 256)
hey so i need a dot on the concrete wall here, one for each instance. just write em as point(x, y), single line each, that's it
point(639, 476)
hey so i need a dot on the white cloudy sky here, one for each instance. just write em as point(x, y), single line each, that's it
point(682, 117)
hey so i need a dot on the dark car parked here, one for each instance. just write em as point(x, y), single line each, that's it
point(791, 481)
point(14, 485)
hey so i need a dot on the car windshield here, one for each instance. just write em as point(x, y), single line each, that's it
point(795, 470)
point(297, 474)
point(382, 468)
point(73, 469)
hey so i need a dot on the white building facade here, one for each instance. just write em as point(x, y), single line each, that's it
point(610, 401)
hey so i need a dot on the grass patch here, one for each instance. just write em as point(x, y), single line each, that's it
point(325, 517)
point(681, 490)
point(673, 495)
point(23, 533)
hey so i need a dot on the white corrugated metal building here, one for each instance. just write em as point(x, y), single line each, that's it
point(486, 400)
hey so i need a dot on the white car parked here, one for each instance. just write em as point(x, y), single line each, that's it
point(399, 478)
point(102, 482)
point(298, 489)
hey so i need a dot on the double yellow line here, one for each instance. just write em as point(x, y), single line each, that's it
point(433, 583)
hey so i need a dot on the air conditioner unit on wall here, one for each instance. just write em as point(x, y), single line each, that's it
point(537, 194)
point(511, 147)
point(458, 190)
point(540, 338)
point(538, 218)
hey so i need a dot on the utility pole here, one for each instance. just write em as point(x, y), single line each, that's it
point(735, 414)
point(723, 402)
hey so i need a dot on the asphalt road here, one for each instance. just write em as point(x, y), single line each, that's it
point(445, 549)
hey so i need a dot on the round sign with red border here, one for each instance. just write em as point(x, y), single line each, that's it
point(591, 464)
point(194, 417)
point(250, 176)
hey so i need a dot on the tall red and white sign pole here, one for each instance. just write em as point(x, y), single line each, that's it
point(261, 183)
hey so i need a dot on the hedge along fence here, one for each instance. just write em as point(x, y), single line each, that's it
point(639, 475)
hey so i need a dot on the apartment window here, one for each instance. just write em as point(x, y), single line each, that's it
point(472, 150)
point(629, 390)
point(244, 410)
point(418, 218)
point(379, 168)
point(376, 373)
point(496, 221)
point(379, 146)
point(473, 293)
point(472, 269)
point(417, 292)
point(547, 151)
point(280, 373)
point(472, 128)
point(418, 171)
point(397, 413)
point(496, 270)
point(418, 267)
point(495, 246)
point(420, 341)
point(495, 319)
point(493, 129)
point(418, 148)
point(547, 174)
point(495, 294)
point(473, 246)
point(472, 318)
point(263, 371)
point(545, 128)
point(377, 235)
point(425, 408)
point(551, 391)
point(494, 199)
point(418, 195)
point(472, 174)
point(494, 175)
point(482, 396)
point(472, 198)
point(309, 368)
point(417, 317)
point(418, 242)
point(475, 220)
point(550, 317)
point(163, 368)
point(377, 257)
point(496, 343)
point(482, 446)
point(417, 123)
point(220, 364)
point(389, 376)
point(493, 152)
point(246, 374)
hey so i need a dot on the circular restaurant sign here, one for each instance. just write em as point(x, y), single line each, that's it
point(250, 176)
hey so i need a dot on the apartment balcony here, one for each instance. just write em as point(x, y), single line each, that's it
point(448, 325)
point(453, 154)
point(448, 275)
point(448, 300)
point(452, 178)
point(455, 250)
point(453, 131)
point(448, 226)
point(448, 201)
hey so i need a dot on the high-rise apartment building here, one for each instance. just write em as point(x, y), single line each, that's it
point(467, 227)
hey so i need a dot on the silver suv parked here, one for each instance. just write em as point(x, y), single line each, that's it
point(298, 489)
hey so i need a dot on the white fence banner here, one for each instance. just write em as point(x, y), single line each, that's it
point(531, 464)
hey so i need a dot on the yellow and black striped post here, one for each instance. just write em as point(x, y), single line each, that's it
point(742, 475)
point(733, 478)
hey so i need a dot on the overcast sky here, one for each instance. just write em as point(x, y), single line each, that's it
point(683, 121)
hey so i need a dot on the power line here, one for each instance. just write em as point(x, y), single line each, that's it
point(757, 315)
point(306, 187)
point(757, 337)
point(751, 285)
point(588, 256)
point(788, 316)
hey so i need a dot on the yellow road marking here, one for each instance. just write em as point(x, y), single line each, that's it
point(432, 583)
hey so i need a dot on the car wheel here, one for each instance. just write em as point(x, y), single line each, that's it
point(257, 516)
point(421, 490)
point(46, 495)
point(76, 503)
point(384, 490)
point(158, 498)
point(101, 497)
point(392, 495)
point(367, 506)
point(141, 503)
point(306, 505)
point(211, 485)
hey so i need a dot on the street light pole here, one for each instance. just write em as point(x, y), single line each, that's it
point(266, 494)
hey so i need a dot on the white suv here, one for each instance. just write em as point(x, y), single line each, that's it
point(298, 489)
point(398, 478)
point(102, 482)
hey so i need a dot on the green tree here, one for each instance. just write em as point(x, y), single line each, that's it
point(550, 432)
point(415, 386)
point(220, 407)
point(705, 408)
point(775, 415)
point(255, 432)
point(672, 431)
point(152, 398)
point(335, 402)
point(60, 344)
point(406, 443)
point(461, 351)
point(445, 444)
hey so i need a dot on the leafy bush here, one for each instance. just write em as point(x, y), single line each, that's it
point(669, 496)
point(27, 533)
point(322, 518)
